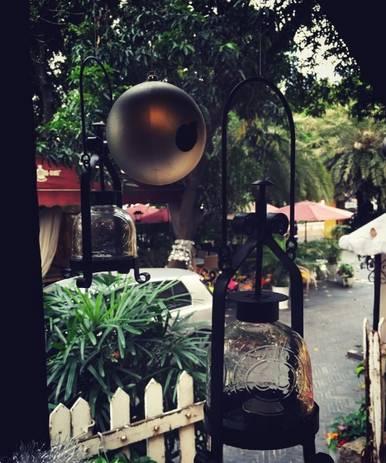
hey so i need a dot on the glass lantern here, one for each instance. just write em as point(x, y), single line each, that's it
point(113, 234)
point(267, 388)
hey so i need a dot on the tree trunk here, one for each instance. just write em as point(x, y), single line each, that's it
point(185, 214)
point(365, 209)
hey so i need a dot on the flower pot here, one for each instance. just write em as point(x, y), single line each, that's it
point(282, 290)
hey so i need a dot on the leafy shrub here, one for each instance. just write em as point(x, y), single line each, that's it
point(280, 276)
point(314, 253)
point(122, 459)
point(345, 271)
point(340, 230)
point(118, 334)
point(347, 428)
point(332, 251)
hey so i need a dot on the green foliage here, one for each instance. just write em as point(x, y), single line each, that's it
point(360, 369)
point(324, 249)
point(340, 230)
point(204, 48)
point(280, 276)
point(332, 250)
point(121, 459)
point(347, 428)
point(346, 270)
point(350, 149)
point(271, 265)
point(118, 334)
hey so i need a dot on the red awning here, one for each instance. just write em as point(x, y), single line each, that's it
point(57, 185)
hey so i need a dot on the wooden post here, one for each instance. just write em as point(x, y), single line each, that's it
point(120, 413)
point(185, 396)
point(60, 425)
point(81, 421)
point(153, 407)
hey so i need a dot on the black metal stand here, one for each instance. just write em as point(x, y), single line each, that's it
point(98, 146)
point(260, 229)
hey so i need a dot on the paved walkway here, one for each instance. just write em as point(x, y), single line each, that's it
point(333, 325)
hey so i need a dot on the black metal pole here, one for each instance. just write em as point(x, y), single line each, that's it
point(86, 280)
point(217, 367)
point(23, 392)
point(261, 217)
point(377, 290)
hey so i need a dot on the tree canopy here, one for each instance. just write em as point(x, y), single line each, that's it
point(204, 47)
point(351, 150)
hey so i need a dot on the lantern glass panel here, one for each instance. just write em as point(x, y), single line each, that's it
point(267, 373)
point(113, 234)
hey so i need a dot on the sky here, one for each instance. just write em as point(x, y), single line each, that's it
point(324, 67)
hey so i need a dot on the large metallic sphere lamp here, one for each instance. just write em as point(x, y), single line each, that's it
point(156, 133)
point(259, 393)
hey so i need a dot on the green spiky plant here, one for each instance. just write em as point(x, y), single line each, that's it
point(119, 334)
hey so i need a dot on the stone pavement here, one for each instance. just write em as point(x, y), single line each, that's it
point(333, 325)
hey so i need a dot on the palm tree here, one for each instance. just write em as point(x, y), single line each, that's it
point(351, 150)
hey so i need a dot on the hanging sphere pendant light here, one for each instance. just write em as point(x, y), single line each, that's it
point(156, 133)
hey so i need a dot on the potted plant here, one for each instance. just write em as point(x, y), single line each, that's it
point(280, 283)
point(347, 428)
point(332, 255)
point(346, 275)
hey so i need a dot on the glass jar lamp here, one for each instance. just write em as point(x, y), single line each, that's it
point(113, 235)
point(267, 377)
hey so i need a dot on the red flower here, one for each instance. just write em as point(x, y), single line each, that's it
point(342, 442)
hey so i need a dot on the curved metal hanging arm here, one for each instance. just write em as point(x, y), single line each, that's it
point(85, 157)
point(224, 148)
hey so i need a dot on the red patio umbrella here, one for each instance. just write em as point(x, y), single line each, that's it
point(309, 211)
point(272, 208)
point(145, 213)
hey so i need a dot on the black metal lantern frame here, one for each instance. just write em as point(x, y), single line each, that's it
point(259, 227)
point(377, 275)
point(100, 160)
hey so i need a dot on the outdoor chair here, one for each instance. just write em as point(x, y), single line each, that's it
point(308, 276)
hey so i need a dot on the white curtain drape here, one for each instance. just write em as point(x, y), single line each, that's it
point(49, 220)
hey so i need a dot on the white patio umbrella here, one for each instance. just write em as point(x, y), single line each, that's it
point(368, 240)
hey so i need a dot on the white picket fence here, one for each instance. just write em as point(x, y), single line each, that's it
point(76, 424)
point(374, 353)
